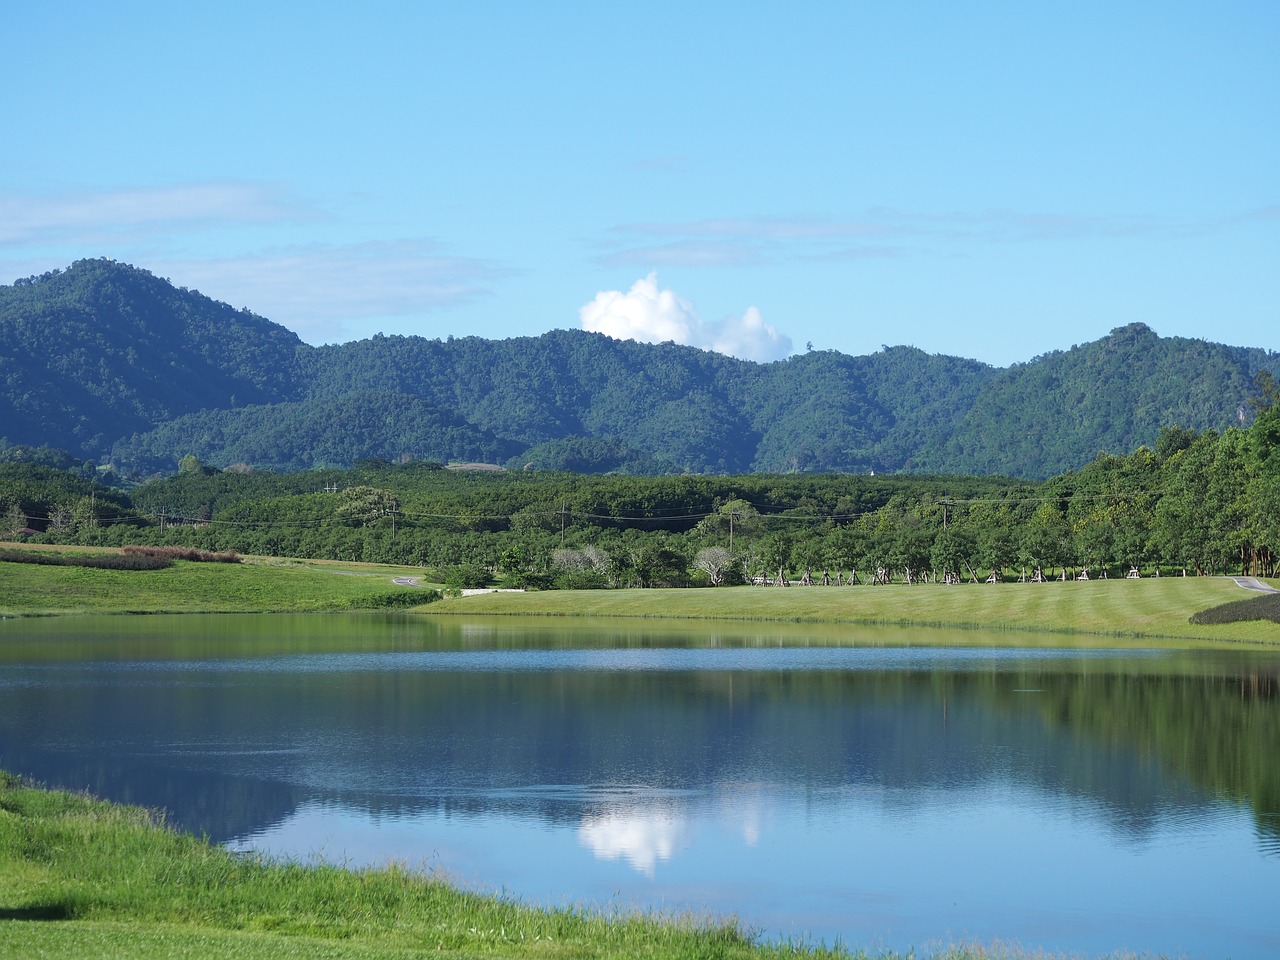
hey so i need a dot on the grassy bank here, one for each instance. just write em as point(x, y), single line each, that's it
point(86, 879)
point(1156, 608)
point(254, 586)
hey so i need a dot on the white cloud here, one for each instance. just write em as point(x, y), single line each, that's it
point(652, 315)
point(750, 338)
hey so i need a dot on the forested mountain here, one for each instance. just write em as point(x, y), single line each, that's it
point(1113, 395)
point(102, 350)
point(114, 364)
point(321, 432)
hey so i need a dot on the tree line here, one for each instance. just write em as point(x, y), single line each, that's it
point(1195, 503)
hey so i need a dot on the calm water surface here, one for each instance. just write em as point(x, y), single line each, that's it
point(871, 786)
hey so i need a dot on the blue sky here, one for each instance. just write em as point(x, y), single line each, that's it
point(990, 180)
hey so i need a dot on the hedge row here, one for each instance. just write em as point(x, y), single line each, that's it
point(1265, 607)
point(392, 600)
point(182, 553)
point(101, 561)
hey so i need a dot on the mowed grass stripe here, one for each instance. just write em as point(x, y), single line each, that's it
point(1157, 608)
point(1154, 608)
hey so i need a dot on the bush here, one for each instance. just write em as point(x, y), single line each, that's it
point(527, 580)
point(581, 580)
point(182, 553)
point(100, 561)
point(393, 600)
point(465, 576)
point(1265, 607)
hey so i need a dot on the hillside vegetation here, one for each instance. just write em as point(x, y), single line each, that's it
point(111, 363)
point(1198, 503)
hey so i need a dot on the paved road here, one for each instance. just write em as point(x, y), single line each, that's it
point(1253, 583)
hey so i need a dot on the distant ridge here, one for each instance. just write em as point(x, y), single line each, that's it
point(109, 362)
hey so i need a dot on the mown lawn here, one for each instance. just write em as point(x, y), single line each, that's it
point(252, 587)
point(1155, 608)
point(1148, 608)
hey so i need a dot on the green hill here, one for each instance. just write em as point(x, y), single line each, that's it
point(101, 350)
point(111, 363)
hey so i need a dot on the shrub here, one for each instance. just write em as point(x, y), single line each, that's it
point(1265, 607)
point(581, 580)
point(528, 580)
point(100, 561)
point(465, 576)
point(182, 553)
point(393, 600)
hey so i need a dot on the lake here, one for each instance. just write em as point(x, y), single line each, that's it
point(886, 788)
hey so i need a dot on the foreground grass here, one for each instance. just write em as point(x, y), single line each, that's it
point(1155, 608)
point(83, 878)
point(255, 586)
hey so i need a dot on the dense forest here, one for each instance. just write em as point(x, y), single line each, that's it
point(1195, 502)
point(124, 370)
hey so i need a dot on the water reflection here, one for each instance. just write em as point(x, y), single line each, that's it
point(640, 835)
point(1090, 799)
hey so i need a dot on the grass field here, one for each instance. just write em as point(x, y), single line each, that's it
point(1155, 608)
point(1152, 608)
point(255, 586)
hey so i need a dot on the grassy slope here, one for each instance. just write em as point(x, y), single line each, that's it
point(1131, 608)
point(251, 587)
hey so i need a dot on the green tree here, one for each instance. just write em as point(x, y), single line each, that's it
point(364, 505)
point(1180, 524)
point(1226, 503)
point(997, 536)
point(1046, 536)
point(655, 564)
point(952, 552)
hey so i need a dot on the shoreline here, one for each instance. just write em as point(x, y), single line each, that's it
point(1157, 609)
point(108, 880)
point(1151, 609)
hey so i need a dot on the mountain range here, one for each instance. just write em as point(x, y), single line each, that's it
point(116, 365)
